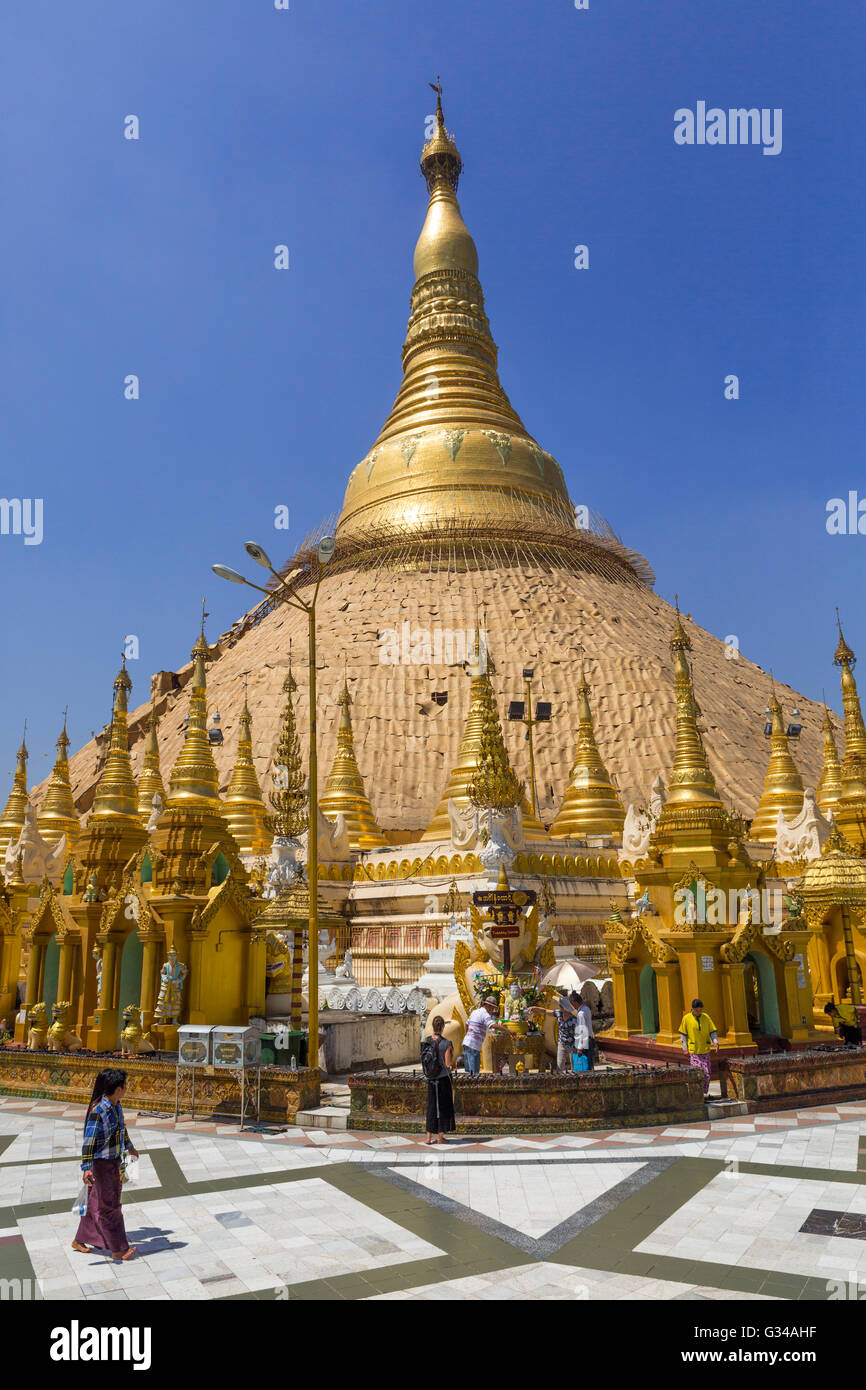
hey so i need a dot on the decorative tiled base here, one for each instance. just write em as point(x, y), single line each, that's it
point(69, 1077)
point(535, 1104)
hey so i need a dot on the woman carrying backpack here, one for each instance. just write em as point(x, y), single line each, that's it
point(437, 1057)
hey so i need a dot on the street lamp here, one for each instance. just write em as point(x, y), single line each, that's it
point(293, 600)
point(522, 711)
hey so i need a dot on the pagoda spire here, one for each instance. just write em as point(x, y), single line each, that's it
point(830, 785)
point(851, 810)
point(344, 790)
point(243, 806)
point(116, 797)
point(12, 819)
point(691, 781)
point(694, 826)
point(591, 805)
point(783, 785)
point(57, 815)
point(150, 782)
point(453, 447)
point(482, 761)
point(194, 780)
point(289, 797)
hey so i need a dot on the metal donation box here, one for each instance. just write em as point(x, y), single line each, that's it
point(193, 1045)
point(236, 1047)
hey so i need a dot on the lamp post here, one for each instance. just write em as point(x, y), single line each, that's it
point(293, 600)
point(521, 710)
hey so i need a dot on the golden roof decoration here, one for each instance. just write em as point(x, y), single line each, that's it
point(838, 878)
point(12, 819)
point(194, 780)
point(116, 796)
point(243, 804)
point(344, 790)
point(591, 805)
point(783, 785)
point(289, 797)
point(57, 815)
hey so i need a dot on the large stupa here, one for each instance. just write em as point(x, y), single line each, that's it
point(457, 517)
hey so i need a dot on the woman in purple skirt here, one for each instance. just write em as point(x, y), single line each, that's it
point(106, 1139)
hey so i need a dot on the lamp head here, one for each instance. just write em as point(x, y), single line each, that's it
point(226, 572)
point(259, 554)
point(327, 545)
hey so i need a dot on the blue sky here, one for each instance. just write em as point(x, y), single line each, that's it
point(261, 388)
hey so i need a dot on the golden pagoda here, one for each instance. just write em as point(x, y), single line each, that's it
point(693, 824)
point(116, 795)
point(114, 830)
point(783, 785)
point(243, 806)
point(830, 785)
point(150, 779)
point(452, 444)
point(590, 806)
point(289, 797)
point(12, 819)
point(194, 779)
point(833, 889)
point(57, 815)
point(479, 735)
point(851, 807)
point(344, 790)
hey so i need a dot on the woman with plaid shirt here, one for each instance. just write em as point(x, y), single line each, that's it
point(106, 1140)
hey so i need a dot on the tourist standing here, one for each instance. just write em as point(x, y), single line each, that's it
point(566, 1022)
point(106, 1140)
point(584, 1038)
point(440, 1093)
point(698, 1034)
point(844, 1017)
point(481, 1020)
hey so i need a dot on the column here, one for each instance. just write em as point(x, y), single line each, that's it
point(64, 970)
point(148, 980)
point(733, 979)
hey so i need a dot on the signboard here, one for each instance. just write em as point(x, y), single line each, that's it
point(504, 909)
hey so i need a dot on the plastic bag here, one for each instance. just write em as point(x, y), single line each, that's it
point(129, 1169)
point(80, 1206)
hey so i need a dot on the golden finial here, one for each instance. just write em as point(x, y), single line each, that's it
point(344, 790)
point(591, 805)
point(830, 784)
point(243, 804)
point(494, 785)
point(194, 780)
point(851, 807)
point(57, 815)
point(783, 785)
point(12, 819)
point(150, 782)
point(116, 797)
point(289, 797)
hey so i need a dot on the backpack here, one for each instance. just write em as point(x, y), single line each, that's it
point(431, 1060)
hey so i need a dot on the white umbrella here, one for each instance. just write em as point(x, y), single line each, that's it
point(569, 974)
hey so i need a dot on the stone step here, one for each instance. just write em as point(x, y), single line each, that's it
point(720, 1109)
point(324, 1117)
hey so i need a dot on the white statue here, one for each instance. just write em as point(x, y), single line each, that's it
point(334, 844)
point(38, 859)
point(802, 838)
point(344, 971)
point(640, 822)
point(157, 808)
point(504, 828)
point(284, 869)
point(171, 981)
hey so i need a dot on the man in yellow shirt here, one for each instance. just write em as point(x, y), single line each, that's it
point(698, 1034)
point(844, 1017)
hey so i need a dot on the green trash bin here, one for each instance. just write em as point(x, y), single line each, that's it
point(291, 1043)
point(268, 1053)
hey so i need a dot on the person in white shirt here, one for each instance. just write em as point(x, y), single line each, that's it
point(584, 1038)
point(480, 1021)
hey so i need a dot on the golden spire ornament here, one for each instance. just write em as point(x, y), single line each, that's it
point(243, 806)
point(453, 447)
point(783, 785)
point(590, 805)
point(150, 782)
point(289, 797)
point(12, 819)
point(830, 785)
point(691, 781)
point(57, 815)
point(194, 780)
point(851, 808)
point(116, 796)
point(494, 785)
point(481, 701)
point(344, 790)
